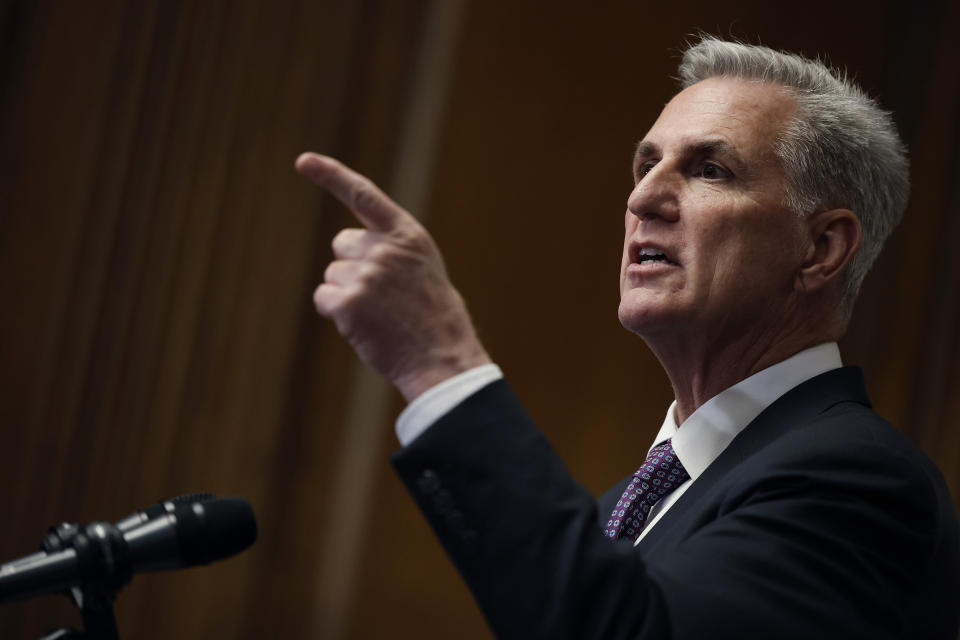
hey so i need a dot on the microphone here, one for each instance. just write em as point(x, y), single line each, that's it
point(60, 536)
point(161, 537)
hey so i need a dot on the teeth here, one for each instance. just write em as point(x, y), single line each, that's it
point(648, 254)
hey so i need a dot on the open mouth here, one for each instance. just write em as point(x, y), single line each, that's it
point(651, 255)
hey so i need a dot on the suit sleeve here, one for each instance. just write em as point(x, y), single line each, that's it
point(522, 533)
point(785, 557)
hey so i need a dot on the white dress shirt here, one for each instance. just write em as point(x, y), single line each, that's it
point(697, 442)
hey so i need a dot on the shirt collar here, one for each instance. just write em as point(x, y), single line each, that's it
point(708, 431)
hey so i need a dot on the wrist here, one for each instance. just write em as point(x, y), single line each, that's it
point(426, 376)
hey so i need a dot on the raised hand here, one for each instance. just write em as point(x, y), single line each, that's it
point(387, 289)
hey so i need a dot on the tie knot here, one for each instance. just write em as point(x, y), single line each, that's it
point(660, 458)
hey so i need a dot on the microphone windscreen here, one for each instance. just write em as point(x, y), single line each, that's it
point(215, 529)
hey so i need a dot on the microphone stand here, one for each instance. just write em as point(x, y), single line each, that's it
point(101, 551)
point(96, 608)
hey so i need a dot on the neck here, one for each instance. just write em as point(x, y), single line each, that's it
point(699, 368)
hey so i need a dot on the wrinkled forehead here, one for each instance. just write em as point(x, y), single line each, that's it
point(747, 115)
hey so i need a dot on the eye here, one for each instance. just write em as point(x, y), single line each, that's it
point(713, 171)
point(643, 169)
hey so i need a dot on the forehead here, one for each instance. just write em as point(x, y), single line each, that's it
point(745, 115)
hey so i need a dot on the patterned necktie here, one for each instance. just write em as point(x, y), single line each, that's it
point(660, 474)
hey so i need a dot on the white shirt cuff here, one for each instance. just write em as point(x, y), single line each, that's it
point(438, 400)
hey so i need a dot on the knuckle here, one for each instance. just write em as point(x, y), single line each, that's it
point(322, 301)
point(335, 302)
point(417, 238)
point(368, 274)
point(347, 239)
point(341, 240)
point(330, 272)
point(422, 243)
point(381, 252)
point(362, 194)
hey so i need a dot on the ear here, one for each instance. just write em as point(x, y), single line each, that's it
point(835, 237)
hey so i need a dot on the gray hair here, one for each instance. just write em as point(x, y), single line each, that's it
point(840, 151)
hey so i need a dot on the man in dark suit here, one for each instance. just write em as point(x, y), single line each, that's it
point(773, 503)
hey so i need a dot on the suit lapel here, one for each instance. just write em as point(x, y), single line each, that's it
point(792, 410)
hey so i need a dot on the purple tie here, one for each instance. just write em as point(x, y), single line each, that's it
point(660, 474)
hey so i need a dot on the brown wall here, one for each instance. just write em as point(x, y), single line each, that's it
point(157, 257)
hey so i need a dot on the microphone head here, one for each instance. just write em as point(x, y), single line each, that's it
point(215, 529)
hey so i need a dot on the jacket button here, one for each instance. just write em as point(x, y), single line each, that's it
point(428, 482)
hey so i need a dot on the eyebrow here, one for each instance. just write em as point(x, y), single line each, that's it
point(647, 149)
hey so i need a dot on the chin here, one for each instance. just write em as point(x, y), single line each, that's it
point(641, 319)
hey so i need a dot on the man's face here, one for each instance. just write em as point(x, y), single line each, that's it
point(708, 208)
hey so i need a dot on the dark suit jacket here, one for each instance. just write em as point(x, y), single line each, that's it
point(820, 520)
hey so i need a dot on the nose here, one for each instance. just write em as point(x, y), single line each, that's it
point(656, 195)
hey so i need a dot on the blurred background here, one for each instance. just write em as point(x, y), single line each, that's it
point(158, 256)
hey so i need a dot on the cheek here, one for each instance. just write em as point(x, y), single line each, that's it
point(731, 257)
point(762, 258)
point(717, 245)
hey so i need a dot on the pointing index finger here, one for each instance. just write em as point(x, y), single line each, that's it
point(369, 204)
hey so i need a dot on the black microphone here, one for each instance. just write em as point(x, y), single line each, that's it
point(187, 535)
